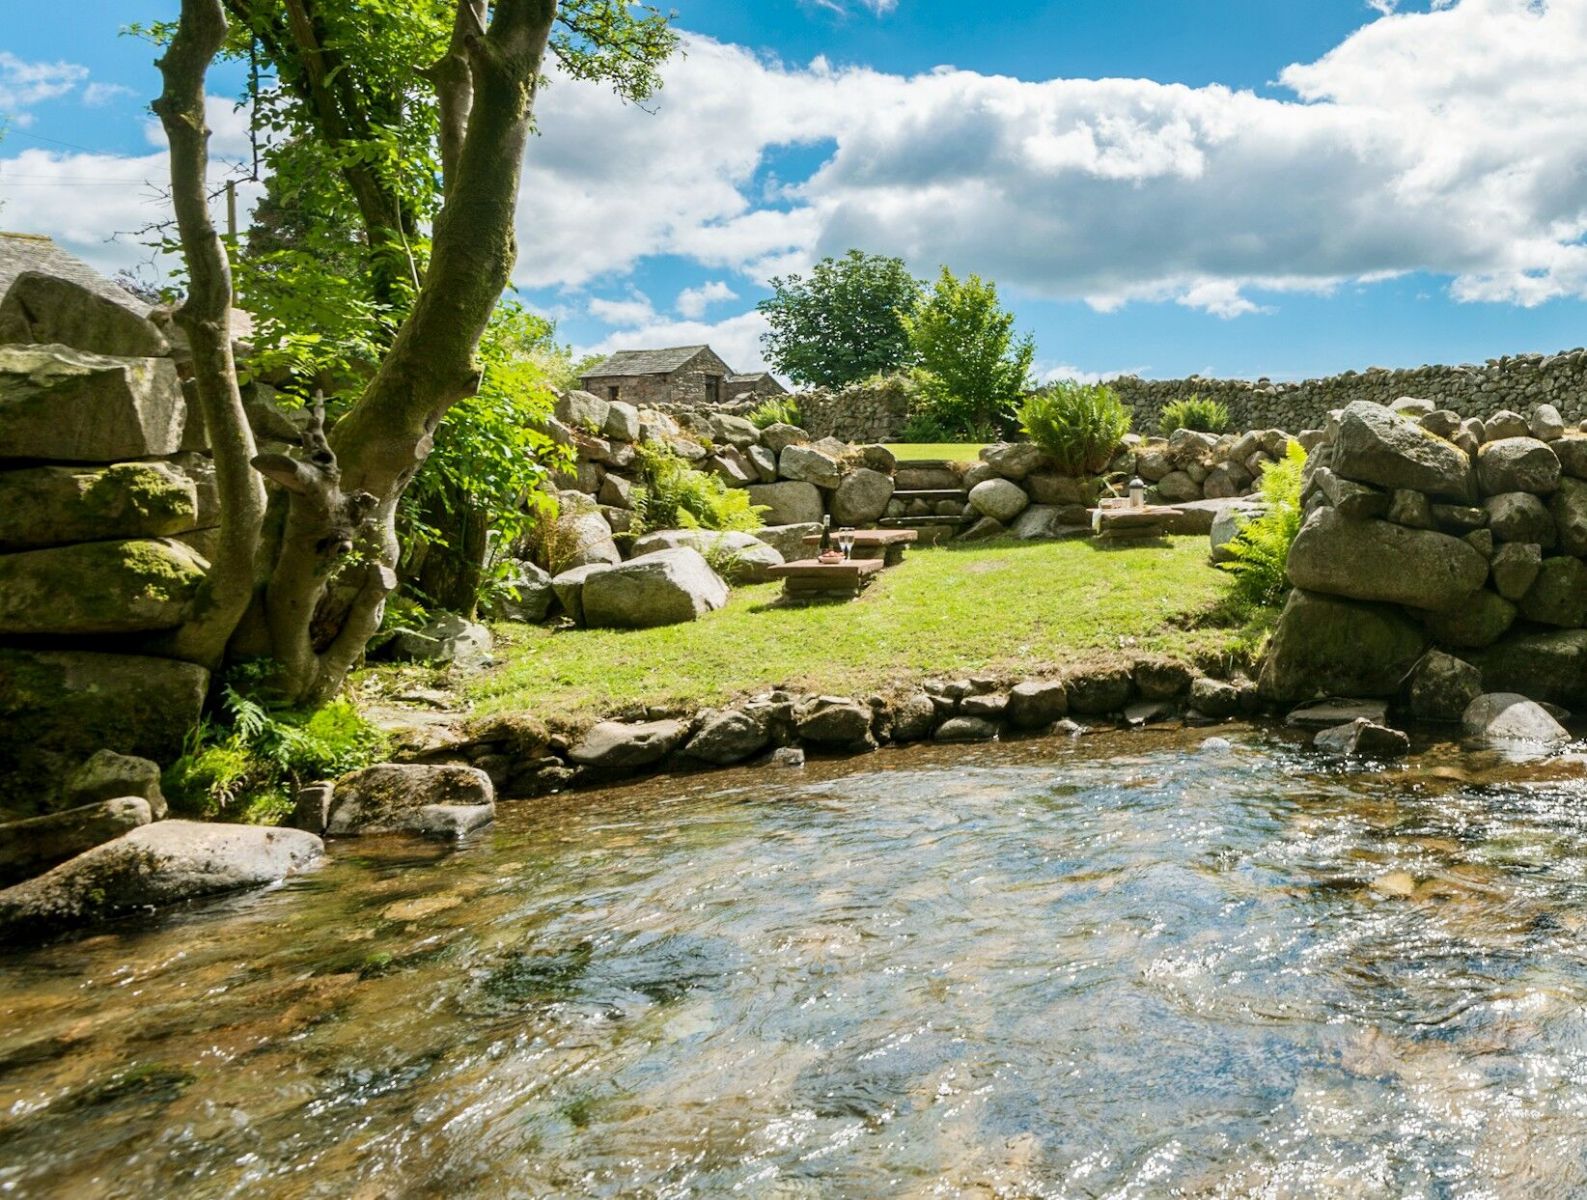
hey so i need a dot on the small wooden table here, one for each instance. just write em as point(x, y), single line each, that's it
point(1122, 522)
point(810, 579)
point(886, 544)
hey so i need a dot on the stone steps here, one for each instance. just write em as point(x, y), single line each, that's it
point(931, 494)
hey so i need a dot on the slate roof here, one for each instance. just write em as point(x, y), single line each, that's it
point(21, 252)
point(644, 362)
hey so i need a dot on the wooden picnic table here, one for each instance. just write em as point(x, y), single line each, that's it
point(812, 579)
point(886, 544)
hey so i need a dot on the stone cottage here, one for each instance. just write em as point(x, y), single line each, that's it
point(692, 375)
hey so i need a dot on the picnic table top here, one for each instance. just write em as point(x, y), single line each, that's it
point(810, 568)
point(870, 537)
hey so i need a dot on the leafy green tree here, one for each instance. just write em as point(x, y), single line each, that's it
point(964, 337)
point(398, 129)
point(844, 323)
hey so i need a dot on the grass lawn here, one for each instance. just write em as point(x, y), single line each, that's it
point(1014, 609)
point(931, 451)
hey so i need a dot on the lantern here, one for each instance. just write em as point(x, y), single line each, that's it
point(1137, 493)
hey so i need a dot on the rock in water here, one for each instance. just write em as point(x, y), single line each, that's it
point(434, 801)
point(1363, 739)
point(1442, 687)
point(1505, 717)
point(33, 846)
point(152, 866)
point(1377, 561)
point(665, 587)
point(728, 737)
point(1325, 646)
point(615, 746)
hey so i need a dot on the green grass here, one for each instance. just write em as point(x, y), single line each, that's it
point(931, 451)
point(1014, 609)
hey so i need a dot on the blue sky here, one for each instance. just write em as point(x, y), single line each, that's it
point(1243, 187)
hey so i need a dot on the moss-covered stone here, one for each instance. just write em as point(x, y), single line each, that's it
point(1558, 596)
point(63, 405)
point(1540, 666)
point(1325, 646)
point(1478, 621)
point(99, 587)
point(55, 506)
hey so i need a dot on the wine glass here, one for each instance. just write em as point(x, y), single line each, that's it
point(846, 541)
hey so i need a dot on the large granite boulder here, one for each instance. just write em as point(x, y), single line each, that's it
point(1507, 718)
point(1572, 454)
point(1226, 526)
point(526, 594)
point(739, 557)
point(35, 845)
point(580, 533)
point(1049, 487)
point(1558, 596)
point(622, 421)
point(69, 406)
point(110, 776)
point(861, 498)
point(834, 721)
point(447, 639)
point(58, 707)
point(788, 502)
point(807, 464)
point(1375, 445)
point(1547, 666)
point(616, 746)
point(52, 506)
point(1378, 561)
point(583, 411)
point(1326, 646)
point(1015, 460)
point(1568, 507)
point(1514, 569)
point(1520, 517)
point(665, 587)
point(151, 867)
point(569, 589)
point(778, 436)
point(442, 801)
point(1037, 703)
point(99, 587)
point(789, 540)
point(1441, 687)
point(1517, 464)
point(1477, 621)
point(41, 309)
point(998, 499)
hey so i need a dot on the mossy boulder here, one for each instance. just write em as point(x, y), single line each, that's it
point(1480, 620)
point(1378, 561)
point(99, 587)
point(1543, 666)
point(1326, 646)
point(1558, 596)
point(59, 707)
point(65, 405)
point(54, 506)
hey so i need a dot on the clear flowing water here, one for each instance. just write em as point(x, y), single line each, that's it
point(1113, 968)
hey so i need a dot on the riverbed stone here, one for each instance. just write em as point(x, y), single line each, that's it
point(833, 721)
point(1517, 464)
point(1214, 697)
point(1507, 718)
point(107, 775)
point(1378, 561)
point(664, 587)
point(619, 746)
point(729, 737)
point(1376, 446)
point(1479, 620)
point(1362, 738)
point(1329, 646)
point(861, 498)
point(999, 499)
point(35, 845)
point(1441, 687)
point(1558, 596)
point(150, 867)
point(66, 405)
point(1096, 690)
point(913, 716)
point(58, 707)
point(52, 506)
point(788, 502)
point(966, 729)
point(433, 800)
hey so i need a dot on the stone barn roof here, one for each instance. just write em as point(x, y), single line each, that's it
point(21, 252)
point(644, 362)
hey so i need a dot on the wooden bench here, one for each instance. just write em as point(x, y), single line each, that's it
point(810, 579)
point(886, 544)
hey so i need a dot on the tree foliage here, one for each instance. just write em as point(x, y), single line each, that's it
point(964, 337)
point(844, 323)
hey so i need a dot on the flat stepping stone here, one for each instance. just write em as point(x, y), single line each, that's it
point(1325, 714)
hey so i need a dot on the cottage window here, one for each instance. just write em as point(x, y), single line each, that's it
point(611, 393)
point(713, 389)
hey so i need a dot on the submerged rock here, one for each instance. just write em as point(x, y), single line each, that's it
point(1037, 703)
point(152, 866)
point(1363, 738)
point(966, 729)
point(1326, 646)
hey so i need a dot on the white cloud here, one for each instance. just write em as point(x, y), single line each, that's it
point(1446, 141)
point(692, 302)
point(24, 84)
point(97, 95)
point(736, 339)
point(636, 310)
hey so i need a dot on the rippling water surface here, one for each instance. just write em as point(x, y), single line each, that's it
point(1113, 968)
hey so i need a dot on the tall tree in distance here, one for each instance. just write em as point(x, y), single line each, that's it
point(844, 323)
point(964, 339)
point(372, 93)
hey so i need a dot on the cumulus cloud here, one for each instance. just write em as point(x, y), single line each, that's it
point(635, 310)
point(97, 95)
point(692, 302)
point(736, 339)
point(24, 84)
point(1445, 141)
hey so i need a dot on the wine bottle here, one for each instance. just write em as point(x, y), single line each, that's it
point(826, 532)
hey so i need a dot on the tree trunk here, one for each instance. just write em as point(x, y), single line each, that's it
point(320, 602)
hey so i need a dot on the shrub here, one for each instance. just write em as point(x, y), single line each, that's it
point(249, 761)
point(1080, 425)
point(1200, 413)
point(777, 410)
point(937, 415)
point(673, 495)
point(1261, 548)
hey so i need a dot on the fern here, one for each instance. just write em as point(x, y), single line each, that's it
point(1079, 425)
point(673, 495)
point(1195, 412)
point(778, 410)
point(1261, 548)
